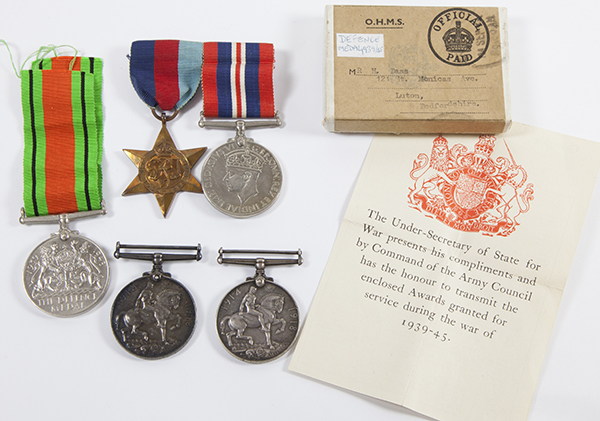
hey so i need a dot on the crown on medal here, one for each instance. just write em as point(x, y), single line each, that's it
point(245, 159)
point(163, 149)
point(458, 39)
point(485, 145)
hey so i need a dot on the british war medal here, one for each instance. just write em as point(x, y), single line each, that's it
point(257, 321)
point(154, 316)
point(165, 74)
point(67, 274)
point(240, 178)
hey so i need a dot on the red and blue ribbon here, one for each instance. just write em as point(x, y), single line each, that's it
point(237, 80)
point(166, 73)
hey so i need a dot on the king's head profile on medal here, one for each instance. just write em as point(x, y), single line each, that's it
point(240, 178)
point(243, 169)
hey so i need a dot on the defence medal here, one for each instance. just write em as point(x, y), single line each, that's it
point(166, 75)
point(154, 316)
point(67, 274)
point(240, 178)
point(258, 320)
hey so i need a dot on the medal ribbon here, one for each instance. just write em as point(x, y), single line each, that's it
point(62, 116)
point(165, 73)
point(237, 80)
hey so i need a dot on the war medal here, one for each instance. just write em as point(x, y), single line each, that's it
point(240, 178)
point(154, 316)
point(67, 274)
point(258, 320)
point(165, 74)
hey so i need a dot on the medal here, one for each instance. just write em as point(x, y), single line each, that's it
point(165, 74)
point(154, 316)
point(258, 320)
point(67, 274)
point(240, 178)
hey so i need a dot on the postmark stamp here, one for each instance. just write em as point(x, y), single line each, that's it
point(459, 37)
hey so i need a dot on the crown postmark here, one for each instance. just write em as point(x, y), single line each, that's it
point(458, 37)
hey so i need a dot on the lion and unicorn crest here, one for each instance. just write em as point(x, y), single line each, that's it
point(468, 190)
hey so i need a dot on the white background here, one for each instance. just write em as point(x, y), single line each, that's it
point(68, 369)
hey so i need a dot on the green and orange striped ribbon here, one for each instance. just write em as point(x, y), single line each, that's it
point(63, 125)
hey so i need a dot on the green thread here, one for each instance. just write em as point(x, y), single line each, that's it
point(12, 62)
point(43, 51)
point(39, 55)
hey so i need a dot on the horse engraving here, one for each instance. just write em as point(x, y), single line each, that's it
point(251, 315)
point(152, 317)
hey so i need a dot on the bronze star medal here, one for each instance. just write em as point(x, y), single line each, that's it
point(166, 75)
point(164, 170)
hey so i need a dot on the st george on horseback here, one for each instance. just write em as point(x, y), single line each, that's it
point(251, 315)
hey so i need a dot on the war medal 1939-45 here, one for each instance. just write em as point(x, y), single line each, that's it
point(67, 274)
point(258, 320)
point(240, 178)
point(165, 74)
point(154, 316)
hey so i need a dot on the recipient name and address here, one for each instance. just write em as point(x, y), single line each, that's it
point(467, 92)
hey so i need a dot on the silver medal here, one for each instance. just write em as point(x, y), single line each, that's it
point(258, 320)
point(67, 274)
point(241, 178)
point(154, 316)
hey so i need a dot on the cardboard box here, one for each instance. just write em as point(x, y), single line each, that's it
point(399, 69)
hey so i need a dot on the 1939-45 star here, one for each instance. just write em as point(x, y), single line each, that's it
point(164, 170)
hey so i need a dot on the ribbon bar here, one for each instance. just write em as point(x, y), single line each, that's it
point(63, 132)
point(166, 73)
point(237, 80)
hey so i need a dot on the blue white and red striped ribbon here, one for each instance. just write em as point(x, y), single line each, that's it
point(166, 73)
point(237, 80)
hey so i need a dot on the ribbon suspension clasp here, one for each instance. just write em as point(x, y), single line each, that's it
point(240, 126)
point(260, 263)
point(62, 219)
point(157, 255)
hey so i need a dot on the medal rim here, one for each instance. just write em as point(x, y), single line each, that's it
point(232, 214)
point(292, 343)
point(102, 292)
point(173, 352)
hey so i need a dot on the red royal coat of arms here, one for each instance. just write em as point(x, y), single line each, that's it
point(469, 191)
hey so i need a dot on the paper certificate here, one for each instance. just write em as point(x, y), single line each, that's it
point(445, 279)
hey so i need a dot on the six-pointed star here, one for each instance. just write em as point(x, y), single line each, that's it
point(164, 170)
